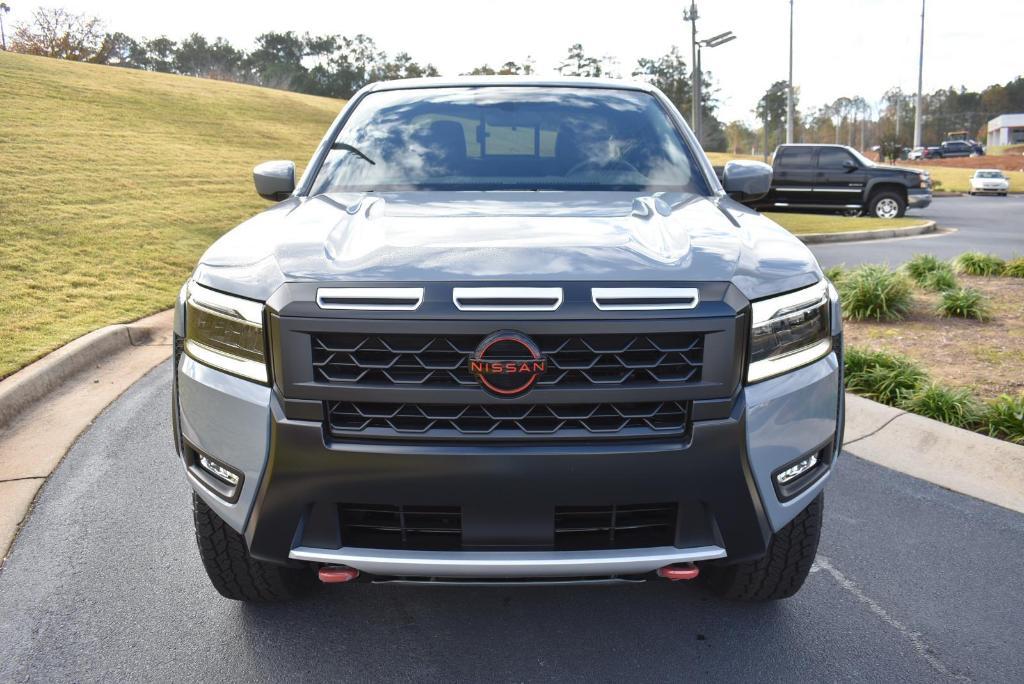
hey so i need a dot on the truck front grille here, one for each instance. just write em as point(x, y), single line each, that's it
point(508, 420)
point(600, 360)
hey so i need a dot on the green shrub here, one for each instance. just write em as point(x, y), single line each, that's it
point(882, 376)
point(940, 280)
point(835, 273)
point(963, 302)
point(921, 265)
point(976, 263)
point(1004, 418)
point(1014, 268)
point(955, 406)
point(874, 292)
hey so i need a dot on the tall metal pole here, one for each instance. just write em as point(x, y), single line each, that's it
point(691, 16)
point(789, 91)
point(920, 84)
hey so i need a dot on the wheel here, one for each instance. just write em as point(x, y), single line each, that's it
point(887, 204)
point(782, 570)
point(236, 574)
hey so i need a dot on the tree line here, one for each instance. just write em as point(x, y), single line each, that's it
point(337, 66)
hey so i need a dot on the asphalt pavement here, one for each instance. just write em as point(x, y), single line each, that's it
point(987, 224)
point(913, 583)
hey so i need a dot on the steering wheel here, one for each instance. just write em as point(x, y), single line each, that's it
point(591, 165)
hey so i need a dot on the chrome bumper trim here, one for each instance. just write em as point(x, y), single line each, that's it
point(506, 563)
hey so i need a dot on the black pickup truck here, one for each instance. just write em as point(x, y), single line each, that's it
point(838, 178)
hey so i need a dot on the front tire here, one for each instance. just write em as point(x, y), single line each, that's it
point(782, 570)
point(234, 573)
point(887, 205)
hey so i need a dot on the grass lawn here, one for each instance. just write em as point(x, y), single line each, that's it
point(829, 223)
point(985, 357)
point(114, 182)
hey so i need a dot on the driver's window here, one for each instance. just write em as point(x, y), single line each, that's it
point(833, 158)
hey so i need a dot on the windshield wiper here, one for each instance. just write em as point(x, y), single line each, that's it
point(353, 149)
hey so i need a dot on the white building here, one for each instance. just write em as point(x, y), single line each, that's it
point(1007, 129)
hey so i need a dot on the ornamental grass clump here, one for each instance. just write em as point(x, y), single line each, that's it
point(978, 264)
point(940, 280)
point(876, 292)
point(882, 376)
point(963, 302)
point(1014, 268)
point(835, 273)
point(1004, 418)
point(921, 266)
point(955, 406)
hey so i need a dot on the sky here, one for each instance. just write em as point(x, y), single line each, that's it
point(841, 47)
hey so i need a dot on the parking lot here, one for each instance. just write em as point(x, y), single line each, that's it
point(988, 224)
point(104, 583)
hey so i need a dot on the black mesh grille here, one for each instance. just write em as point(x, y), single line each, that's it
point(428, 528)
point(441, 361)
point(509, 420)
point(615, 527)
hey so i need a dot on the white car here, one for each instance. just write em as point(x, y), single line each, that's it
point(990, 181)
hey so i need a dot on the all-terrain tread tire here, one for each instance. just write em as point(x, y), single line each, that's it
point(782, 570)
point(234, 573)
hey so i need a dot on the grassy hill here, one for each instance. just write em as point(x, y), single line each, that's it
point(113, 183)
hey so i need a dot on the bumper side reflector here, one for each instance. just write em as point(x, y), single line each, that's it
point(337, 574)
point(679, 571)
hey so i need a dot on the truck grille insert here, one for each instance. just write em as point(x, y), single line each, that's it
point(426, 528)
point(615, 527)
point(442, 361)
point(508, 420)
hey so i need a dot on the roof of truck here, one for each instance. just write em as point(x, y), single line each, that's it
point(535, 81)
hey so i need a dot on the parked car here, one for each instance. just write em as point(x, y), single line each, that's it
point(839, 178)
point(989, 182)
point(924, 153)
point(960, 148)
point(508, 331)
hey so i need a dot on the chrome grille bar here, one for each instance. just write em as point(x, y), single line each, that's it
point(645, 298)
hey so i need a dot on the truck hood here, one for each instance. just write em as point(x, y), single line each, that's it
point(420, 237)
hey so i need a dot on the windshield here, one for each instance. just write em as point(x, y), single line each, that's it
point(860, 157)
point(509, 138)
point(988, 174)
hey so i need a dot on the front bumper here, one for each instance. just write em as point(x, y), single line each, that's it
point(919, 198)
point(720, 475)
point(990, 190)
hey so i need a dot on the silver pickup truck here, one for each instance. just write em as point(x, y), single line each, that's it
point(508, 331)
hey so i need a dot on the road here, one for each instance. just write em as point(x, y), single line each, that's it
point(913, 583)
point(988, 224)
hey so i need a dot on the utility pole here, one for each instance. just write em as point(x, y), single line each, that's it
point(920, 83)
point(789, 91)
point(691, 16)
point(4, 9)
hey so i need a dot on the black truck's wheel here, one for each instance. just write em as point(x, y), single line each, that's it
point(782, 571)
point(234, 573)
point(887, 204)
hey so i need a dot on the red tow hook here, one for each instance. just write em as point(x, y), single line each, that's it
point(337, 574)
point(679, 571)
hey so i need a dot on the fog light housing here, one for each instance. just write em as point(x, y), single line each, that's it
point(218, 470)
point(797, 476)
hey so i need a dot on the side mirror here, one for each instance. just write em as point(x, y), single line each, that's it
point(850, 165)
point(746, 181)
point(274, 180)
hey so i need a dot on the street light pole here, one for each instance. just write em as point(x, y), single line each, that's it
point(789, 91)
point(691, 16)
point(920, 83)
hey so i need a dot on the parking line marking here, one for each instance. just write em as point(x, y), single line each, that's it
point(823, 563)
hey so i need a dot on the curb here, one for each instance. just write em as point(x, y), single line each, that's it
point(966, 462)
point(20, 391)
point(858, 235)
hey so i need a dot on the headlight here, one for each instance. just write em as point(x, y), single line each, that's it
point(225, 332)
point(789, 331)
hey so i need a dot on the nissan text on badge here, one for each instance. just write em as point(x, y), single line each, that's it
point(508, 330)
